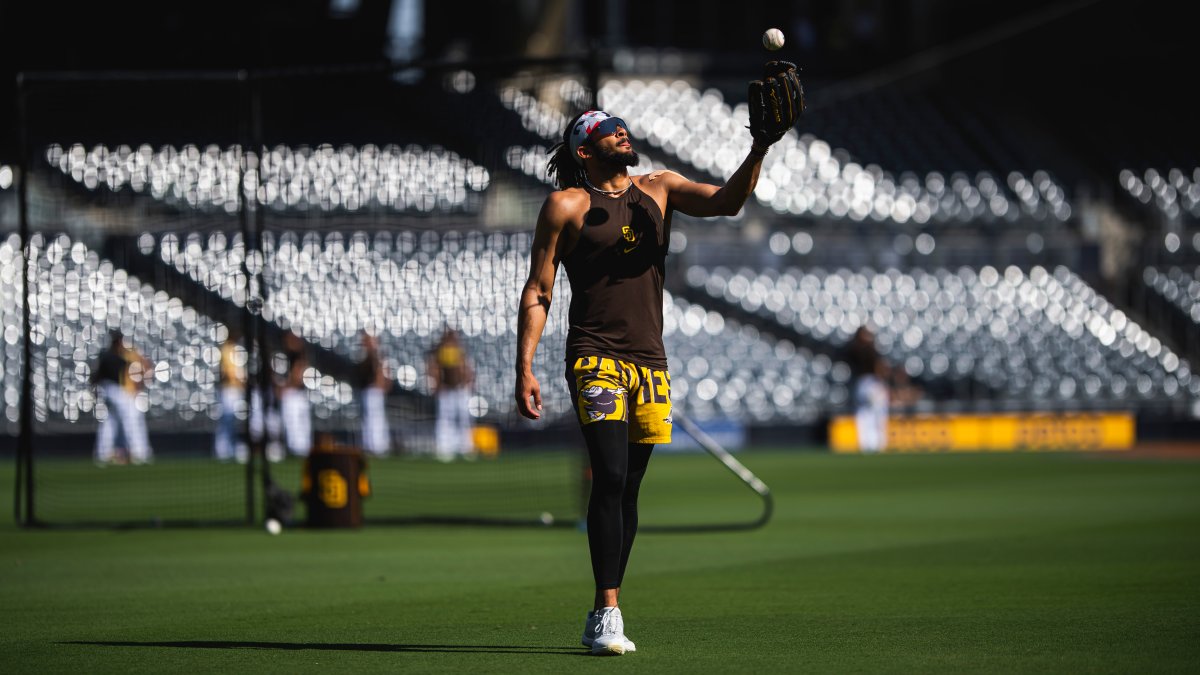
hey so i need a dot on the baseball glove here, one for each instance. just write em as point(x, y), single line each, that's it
point(776, 102)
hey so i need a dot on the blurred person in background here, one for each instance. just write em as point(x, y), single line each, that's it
point(139, 371)
point(870, 373)
point(451, 376)
point(293, 398)
point(232, 372)
point(119, 375)
point(373, 385)
point(611, 232)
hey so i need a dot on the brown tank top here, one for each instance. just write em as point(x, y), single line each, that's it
point(616, 273)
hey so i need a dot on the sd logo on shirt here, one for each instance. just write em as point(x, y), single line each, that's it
point(629, 236)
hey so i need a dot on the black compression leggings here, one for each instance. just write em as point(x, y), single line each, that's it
point(618, 467)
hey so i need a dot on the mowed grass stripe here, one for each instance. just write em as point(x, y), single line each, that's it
point(977, 563)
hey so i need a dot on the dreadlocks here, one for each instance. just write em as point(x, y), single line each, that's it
point(562, 166)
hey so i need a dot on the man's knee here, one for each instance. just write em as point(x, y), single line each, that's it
point(608, 451)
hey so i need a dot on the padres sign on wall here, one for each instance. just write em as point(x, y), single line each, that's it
point(995, 433)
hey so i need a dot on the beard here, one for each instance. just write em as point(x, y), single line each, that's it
point(617, 159)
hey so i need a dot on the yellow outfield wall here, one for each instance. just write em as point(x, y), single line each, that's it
point(1112, 431)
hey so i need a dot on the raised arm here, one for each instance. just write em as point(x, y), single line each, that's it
point(703, 200)
point(536, 295)
point(776, 102)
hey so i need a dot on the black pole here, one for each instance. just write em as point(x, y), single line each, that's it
point(25, 441)
point(260, 324)
point(593, 75)
point(243, 98)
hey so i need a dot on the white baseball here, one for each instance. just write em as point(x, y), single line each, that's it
point(274, 526)
point(773, 39)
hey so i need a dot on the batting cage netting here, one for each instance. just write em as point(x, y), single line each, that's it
point(231, 271)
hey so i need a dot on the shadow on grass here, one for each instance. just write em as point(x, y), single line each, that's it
point(349, 647)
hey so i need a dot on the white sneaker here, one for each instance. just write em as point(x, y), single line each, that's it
point(604, 632)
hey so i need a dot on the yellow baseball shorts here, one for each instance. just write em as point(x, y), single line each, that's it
point(608, 389)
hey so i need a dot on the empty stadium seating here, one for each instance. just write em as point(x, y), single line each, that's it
point(1173, 194)
point(803, 175)
point(1034, 337)
point(1180, 286)
point(391, 178)
point(1029, 337)
point(1023, 336)
point(405, 289)
point(77, 298)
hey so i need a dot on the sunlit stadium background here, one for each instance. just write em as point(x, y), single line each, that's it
point(1017, 221)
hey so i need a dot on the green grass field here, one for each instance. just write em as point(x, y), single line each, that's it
point(1048, 563)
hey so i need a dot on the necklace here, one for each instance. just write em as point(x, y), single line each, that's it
point(613, 193)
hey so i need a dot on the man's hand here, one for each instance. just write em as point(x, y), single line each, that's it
point(776, 102)
point(528, 387)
